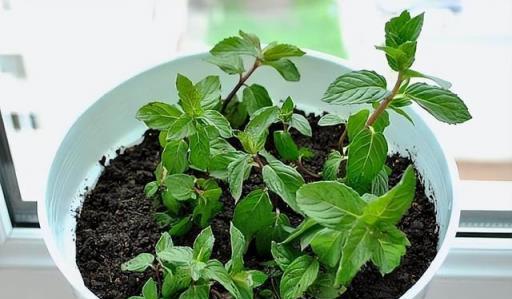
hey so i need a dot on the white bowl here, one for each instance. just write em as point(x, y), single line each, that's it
point(110, 123)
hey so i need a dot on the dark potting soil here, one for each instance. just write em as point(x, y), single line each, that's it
point(116, 223)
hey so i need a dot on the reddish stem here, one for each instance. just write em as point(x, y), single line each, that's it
point(241, 82)
point(375, 115)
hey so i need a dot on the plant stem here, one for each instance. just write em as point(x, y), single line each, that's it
point(241, 82)
point(375, 115)
point(384, 104)
point(258, 161)
point(157, 273)
point(303, 169)
point(216, 294)
point(342, 139)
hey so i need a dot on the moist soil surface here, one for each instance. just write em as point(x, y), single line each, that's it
point(116, 223)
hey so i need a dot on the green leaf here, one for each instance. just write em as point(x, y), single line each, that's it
point(277, 51)
point(306, 153)
point(389, 246)
point(287, 110)
point(196, 291)
point(215, 271)
point(415, 74)
point(209, 88)
point(332, 204)
point(190, 98)
point(177, 255)
point(252, 144)
point(219, 122)
point(332, 166)
point(221, 146)
point(181, 186)
point(197, 269)
point(199, 149)
point(308, 226)
point(258, 278)
point(244, 284)
point(218, 165)
point(326, 244)
point(171, 203)
point(323, 287)
point(441, 103)
point(382, 122)
point(284, 181)
point(356, 123)
point(181, 227)
point(207, 208)
point(174, 156)
point(164, 243)
point(366, 156)
point(402, 57)
point(168, 284)
point(139, 263)
point(276, 232)
point(355, 253)
point(256, 97)
point(203, 245)
point(257, 207)
point(236, 113)
point(158, 115)
point(238, 246)
point(237, 171)
point(234, 46)
point(149, 290)
point(331, 120)
point(162, 138)
point(150, 189)
point(181, 128)
point(391, 206)
point(208, 204)
point(402, 113)
point(403, 28)
point(261, 121)
point(175, 281)
point(401, 35)
point(285, 146)
point(231, 65)
point(301, 124)
point(298, 277)
point(380, 183)
point(356, 87)
point(283, 255)
point(162, 219)
point(252, 38)
point(286, 68)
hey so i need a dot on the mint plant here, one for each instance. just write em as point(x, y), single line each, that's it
point(349, 214)
point(227, 55)
point(189, 272)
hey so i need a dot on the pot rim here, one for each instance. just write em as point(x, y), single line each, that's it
point(421, 285)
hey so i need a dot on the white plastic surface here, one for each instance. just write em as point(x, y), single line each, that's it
point(110, 124)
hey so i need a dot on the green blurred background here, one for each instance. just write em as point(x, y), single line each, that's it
point(295, 21)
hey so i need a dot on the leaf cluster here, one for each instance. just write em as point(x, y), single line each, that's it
point(190, 272)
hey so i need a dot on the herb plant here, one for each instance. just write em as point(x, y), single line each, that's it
point(189, 272)
point(350, 215)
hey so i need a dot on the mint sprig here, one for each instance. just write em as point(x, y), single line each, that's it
point(189, 272)
point(358, 229)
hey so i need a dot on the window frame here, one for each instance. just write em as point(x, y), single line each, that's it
point(21, 213)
